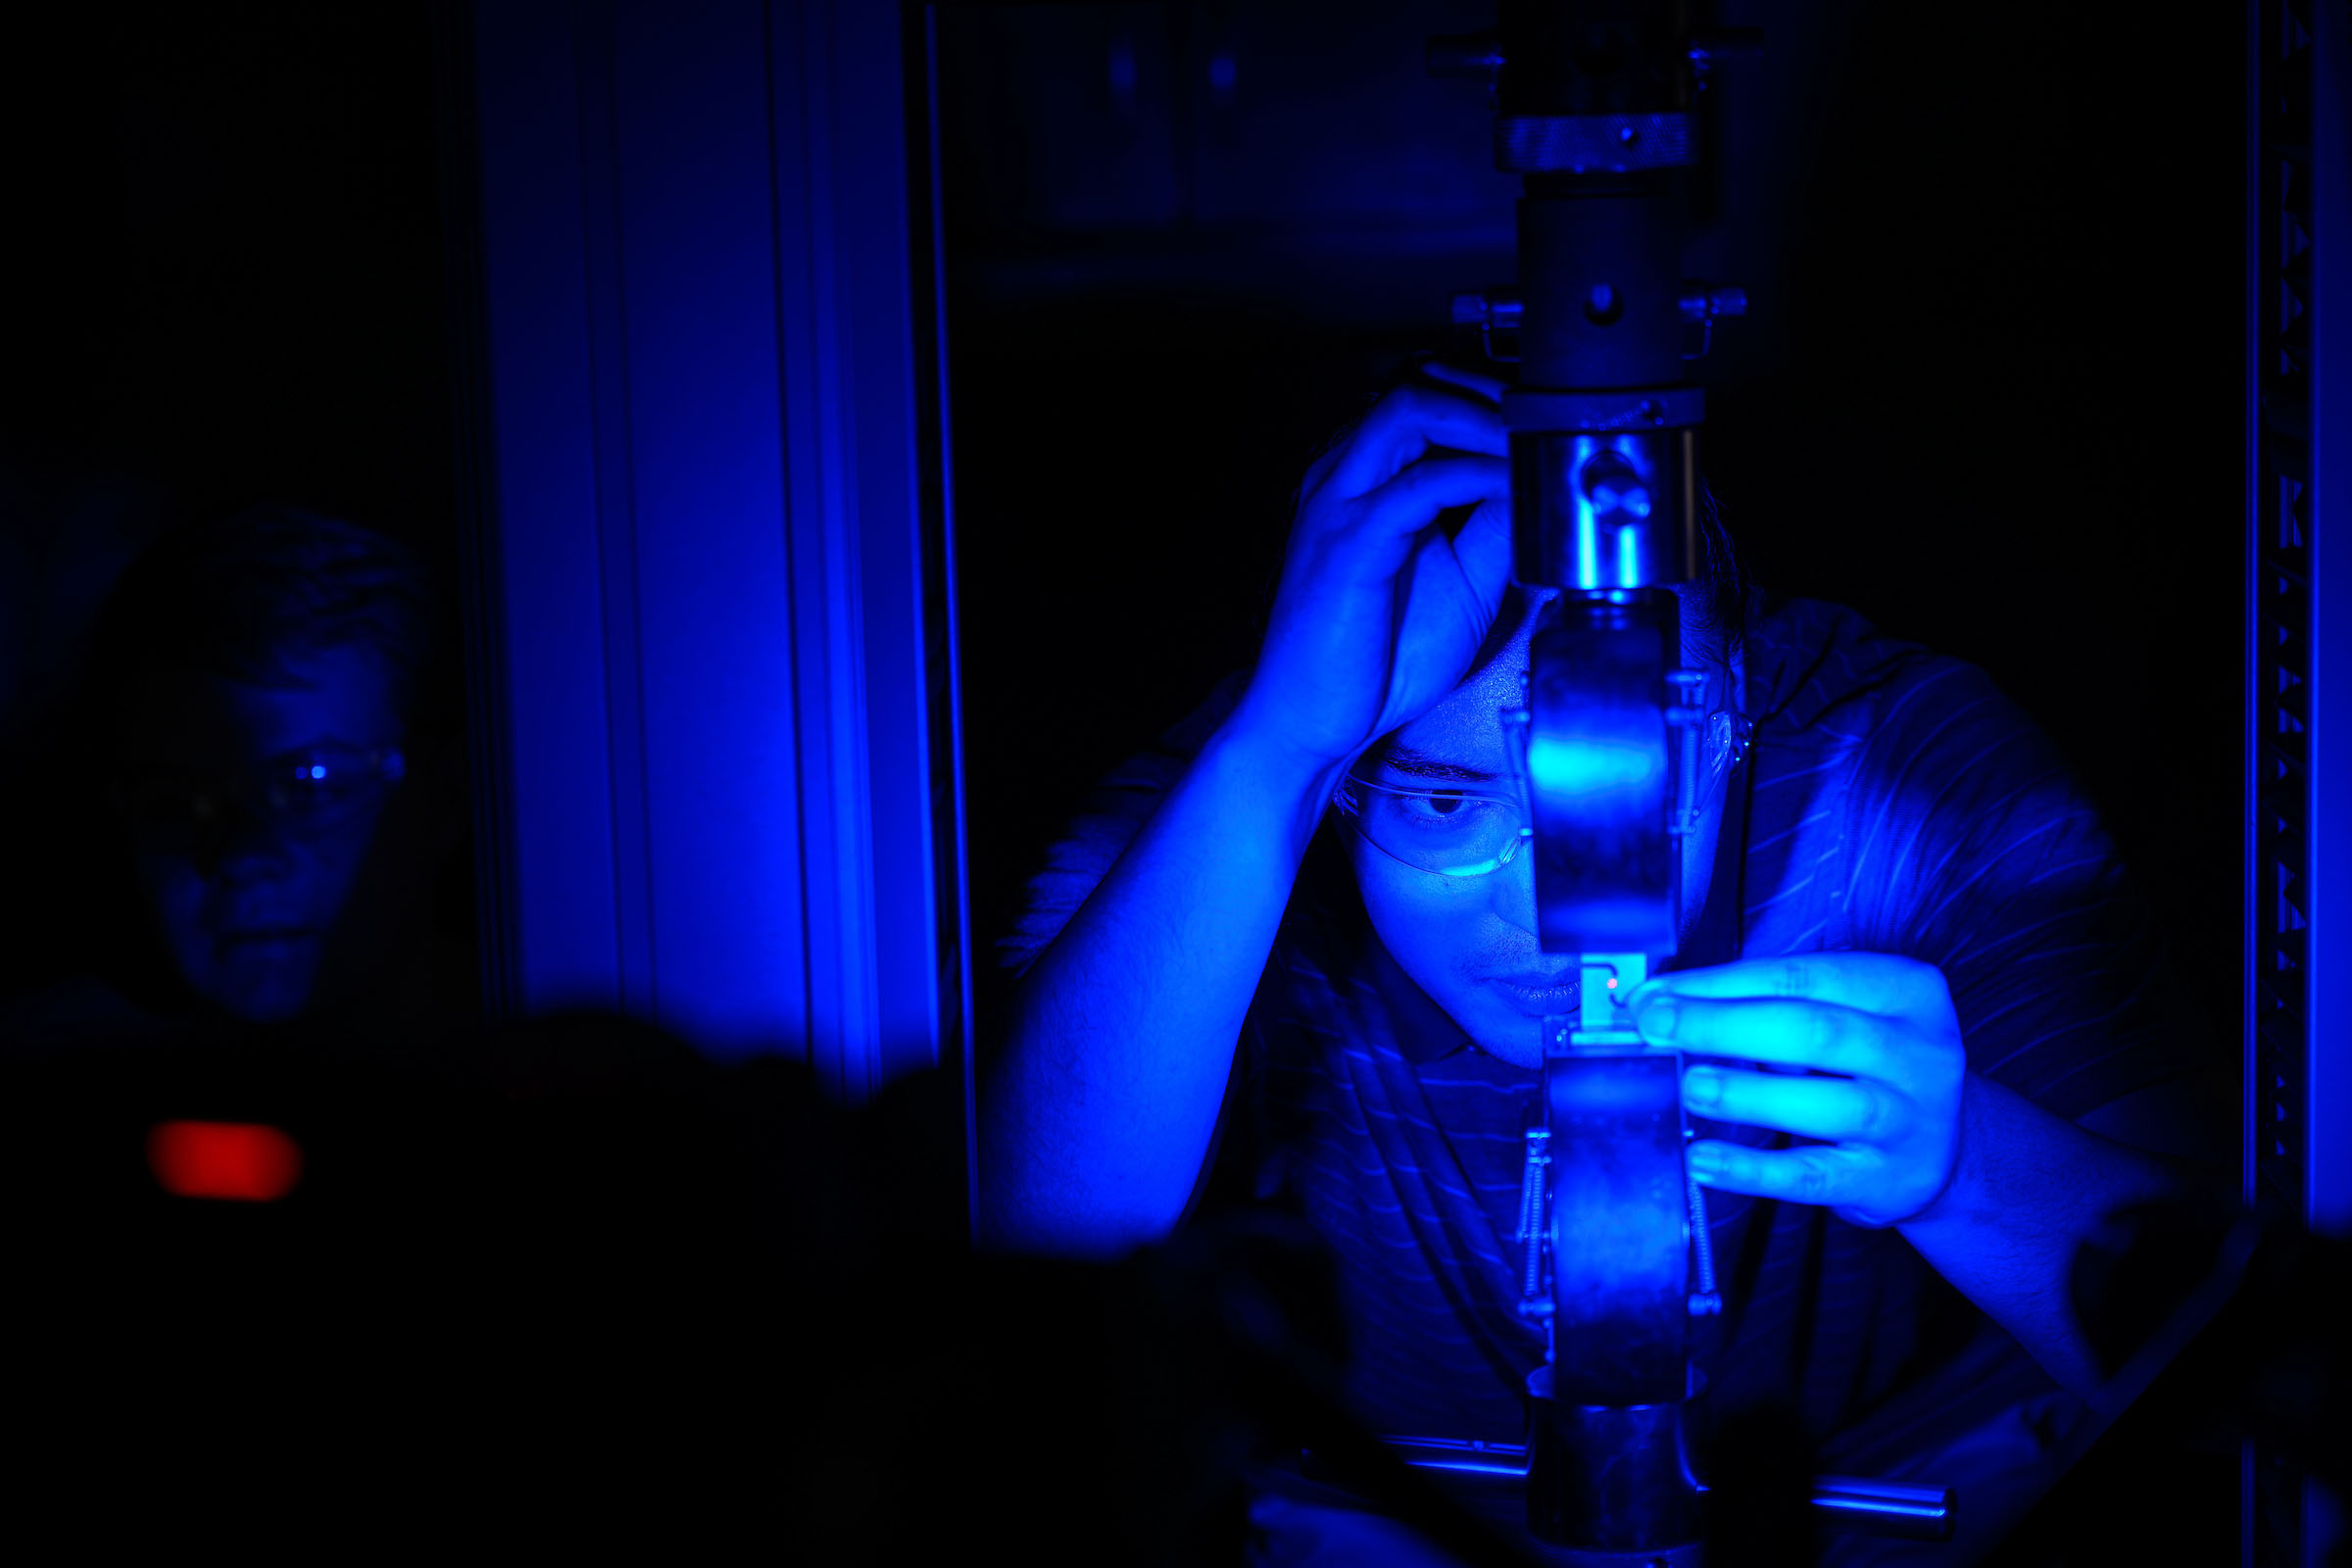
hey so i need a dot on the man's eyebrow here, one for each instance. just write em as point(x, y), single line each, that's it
point(1420, 764)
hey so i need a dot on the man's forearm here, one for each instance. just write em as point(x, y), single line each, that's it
point(1095, 1120)
point(2030, 1188)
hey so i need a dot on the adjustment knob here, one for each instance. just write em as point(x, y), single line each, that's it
point(1615, 490)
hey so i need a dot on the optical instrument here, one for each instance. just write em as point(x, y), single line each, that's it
point(1595, 105)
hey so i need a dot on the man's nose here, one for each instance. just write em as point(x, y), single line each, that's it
point(247, 849)
point(1515, 884)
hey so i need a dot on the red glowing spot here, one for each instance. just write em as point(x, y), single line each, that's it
point(1610, 982)
point(242, 1161)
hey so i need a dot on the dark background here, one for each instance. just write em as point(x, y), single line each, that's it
point(1988, 392)
point(223, 271)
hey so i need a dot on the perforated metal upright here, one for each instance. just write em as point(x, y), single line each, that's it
point(2298, 844)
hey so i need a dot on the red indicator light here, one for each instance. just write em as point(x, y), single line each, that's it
point(242, 1161)
point(1611, 982)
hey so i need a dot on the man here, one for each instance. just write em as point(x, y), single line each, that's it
point(244, 726)
point(1919, 1011)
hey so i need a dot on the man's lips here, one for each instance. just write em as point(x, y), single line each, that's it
point(267, 933)
point(1539, 992)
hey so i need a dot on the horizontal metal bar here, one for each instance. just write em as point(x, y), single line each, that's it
point(1849, 1503)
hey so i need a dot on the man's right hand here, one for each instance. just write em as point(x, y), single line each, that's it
point(1103, 1105)
point(1383, 607)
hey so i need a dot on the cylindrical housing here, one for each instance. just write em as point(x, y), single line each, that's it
point(1612, 1477)
point(1619, 1225)
point(1594, 512)
point(1600, 767)
point(1600, 282)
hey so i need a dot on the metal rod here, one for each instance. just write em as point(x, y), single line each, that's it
point(1846, 1502)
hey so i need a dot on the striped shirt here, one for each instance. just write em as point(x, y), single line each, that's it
point(1892, 801)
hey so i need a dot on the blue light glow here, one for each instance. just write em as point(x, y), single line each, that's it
point(1633, 502)
point(1588, 767)
point(1603, 497)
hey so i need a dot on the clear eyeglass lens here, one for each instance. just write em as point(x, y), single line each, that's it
point(1727, 741)
point(1458, 834)
point(315, 790)
point(1445, 831)
point(308, 793)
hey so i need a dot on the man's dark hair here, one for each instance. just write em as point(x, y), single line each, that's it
point(1725, 588)
point(246, 595)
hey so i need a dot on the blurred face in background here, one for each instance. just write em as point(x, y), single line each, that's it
point(249, 808)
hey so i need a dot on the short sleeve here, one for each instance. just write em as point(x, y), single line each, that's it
point(1114, 811)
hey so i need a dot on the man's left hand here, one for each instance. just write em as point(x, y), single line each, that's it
point(1878, 1047)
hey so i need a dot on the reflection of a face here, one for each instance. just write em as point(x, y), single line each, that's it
point(244, 906)
point(1470, 942)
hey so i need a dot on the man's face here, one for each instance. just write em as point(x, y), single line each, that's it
point(243, 888)
point(1470, 942)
